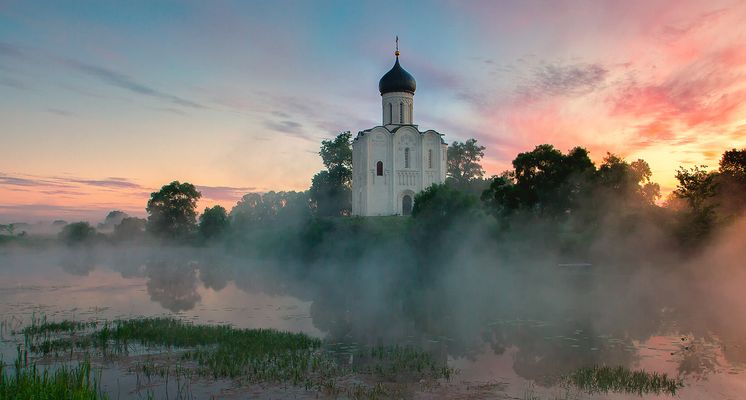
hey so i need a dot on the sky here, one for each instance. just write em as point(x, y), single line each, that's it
point(103, 102)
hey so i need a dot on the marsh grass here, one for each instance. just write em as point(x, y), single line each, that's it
point(247, 356)
point(27, 381)
point(402, 363)
point(40, 326)
point(604, 379)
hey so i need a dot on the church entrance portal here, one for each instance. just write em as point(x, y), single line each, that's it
point(406, 205)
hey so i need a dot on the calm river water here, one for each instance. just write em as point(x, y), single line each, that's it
point(514, 344)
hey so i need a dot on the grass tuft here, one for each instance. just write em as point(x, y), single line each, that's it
point(604, 379)
point(27, 381)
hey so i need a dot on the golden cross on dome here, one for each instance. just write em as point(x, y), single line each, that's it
point(397, 46)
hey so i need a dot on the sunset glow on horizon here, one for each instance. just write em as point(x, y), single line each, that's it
point(101, 103)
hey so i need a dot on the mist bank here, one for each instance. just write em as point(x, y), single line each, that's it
point(368, 281)
point(556, 240)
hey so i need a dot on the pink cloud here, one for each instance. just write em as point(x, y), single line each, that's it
point(678, 86)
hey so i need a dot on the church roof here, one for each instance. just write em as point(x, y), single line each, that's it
point(397, 80)
point(394, 129)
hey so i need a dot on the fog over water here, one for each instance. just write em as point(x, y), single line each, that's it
point(519, 311)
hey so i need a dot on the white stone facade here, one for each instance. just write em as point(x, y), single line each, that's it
point(393, 162)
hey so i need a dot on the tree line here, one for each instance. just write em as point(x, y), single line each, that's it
point(544, 184)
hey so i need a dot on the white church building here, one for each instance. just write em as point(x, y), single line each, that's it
point(394, 161)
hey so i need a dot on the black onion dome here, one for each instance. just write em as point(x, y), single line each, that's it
point(397, 80)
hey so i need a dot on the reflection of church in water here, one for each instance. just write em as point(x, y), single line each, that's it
point(394, 161)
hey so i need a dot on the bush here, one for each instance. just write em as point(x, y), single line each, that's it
point(213, 223)
point(129, 229)
point(77, 233)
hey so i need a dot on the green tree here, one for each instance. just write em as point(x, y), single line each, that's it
point(277, 208)
point(172, 211)
point(733, 164)
point(500, 198)
point(463, 162)
point(732, 183)
point(441, 203)
point(337, 153)
point(544, 181)
point(698, 188)
point(77, 233)
point(626, 183)
point(547, 182)
point(213, 222)
point(131, 228)
point(112, 219)
point(331, 190)
point(551, 181)
point(442, 216)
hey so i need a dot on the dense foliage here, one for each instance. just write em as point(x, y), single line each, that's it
point(131, 228)
point(464, 169)
point(543, 181)
point(331, 189)
point(78, 233)
point(172, 211)
point(213, 223)
point(441, 217)
point(112, 219)
point(732, 183)
point(256, 210)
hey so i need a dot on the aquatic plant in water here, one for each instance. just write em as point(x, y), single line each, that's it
point(604, 379)
point(401, 362)
point(245, 355)
point(27, 381)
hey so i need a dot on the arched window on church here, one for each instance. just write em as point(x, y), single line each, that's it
point(410, 114)
point(430, 158)
point(401, 113)
point(379, 168)
point(406, 157)
point(391, 113)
